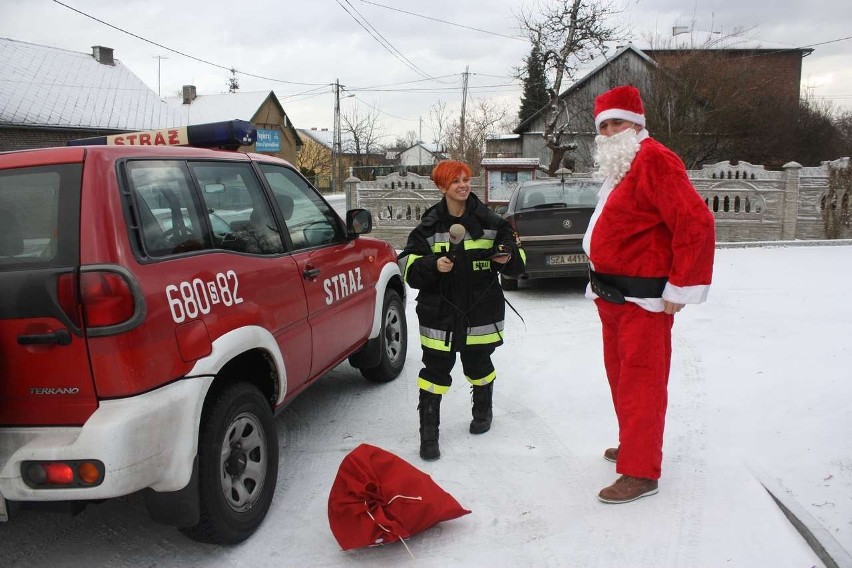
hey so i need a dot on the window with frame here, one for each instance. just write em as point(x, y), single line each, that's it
point(309, 220)
point(167, 207)
point(239, 212)
point(39, 215)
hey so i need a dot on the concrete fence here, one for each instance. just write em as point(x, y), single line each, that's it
point(750, 203)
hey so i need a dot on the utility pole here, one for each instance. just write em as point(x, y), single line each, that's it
point(159, 59)
point(464, 103)
point(335, 139)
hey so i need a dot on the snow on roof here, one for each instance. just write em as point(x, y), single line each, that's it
point(321, 135)
point(432, 148)
point(219, 107)
point(698, 39)
point(43, 86)
point(324, 136)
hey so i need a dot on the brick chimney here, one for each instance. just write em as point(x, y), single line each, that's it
point(188, 94)
point(102, 55)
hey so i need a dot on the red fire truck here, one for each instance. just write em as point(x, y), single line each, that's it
point(160, 304)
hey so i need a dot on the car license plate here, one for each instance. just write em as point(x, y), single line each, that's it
point(559, 259)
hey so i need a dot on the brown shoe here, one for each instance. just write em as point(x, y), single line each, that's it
point(611, 454)
point(626, 489)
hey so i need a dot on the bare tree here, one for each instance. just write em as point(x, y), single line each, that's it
point(711, 104)
point(484, 119)
point(439, 120)
point(567, 34)
point(314, 160)
point(364, 132)
point(407, 141)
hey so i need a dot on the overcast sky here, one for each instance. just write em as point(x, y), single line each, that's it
point(302, 47)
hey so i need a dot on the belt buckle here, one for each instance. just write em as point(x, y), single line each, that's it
point(608, 293)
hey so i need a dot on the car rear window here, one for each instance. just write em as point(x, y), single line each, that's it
point(576, 194)
point(39, 216)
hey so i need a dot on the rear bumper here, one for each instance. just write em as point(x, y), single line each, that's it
point(571, 270)
point(537, 254)
point(148, 440)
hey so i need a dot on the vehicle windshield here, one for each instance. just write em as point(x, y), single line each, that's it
point(557, 194)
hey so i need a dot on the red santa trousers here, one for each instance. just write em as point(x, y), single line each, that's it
point(637, 347)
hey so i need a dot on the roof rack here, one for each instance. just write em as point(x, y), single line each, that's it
point(230, 135)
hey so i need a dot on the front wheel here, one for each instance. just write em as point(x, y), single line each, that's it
point(238, 465)
point(394, 341)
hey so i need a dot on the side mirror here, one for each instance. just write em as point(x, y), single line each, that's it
point(358, 222)
point(501, 209)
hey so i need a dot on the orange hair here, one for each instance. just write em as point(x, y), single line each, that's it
point(446, 171)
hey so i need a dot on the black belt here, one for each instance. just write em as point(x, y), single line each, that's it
point(613, 288)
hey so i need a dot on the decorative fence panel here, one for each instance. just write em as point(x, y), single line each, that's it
point(749, 202)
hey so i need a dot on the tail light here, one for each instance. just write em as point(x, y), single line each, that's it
point(62, 474)
point(107, 299)
point(96, 298)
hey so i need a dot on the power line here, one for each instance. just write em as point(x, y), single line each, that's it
point(383, 112)
point(403, 83)
point(381, 39)
point(226, 68)
point(519, 38)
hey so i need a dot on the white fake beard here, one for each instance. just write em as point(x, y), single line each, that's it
point(615, 154)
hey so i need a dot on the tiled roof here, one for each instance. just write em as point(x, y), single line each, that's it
point(44, 86)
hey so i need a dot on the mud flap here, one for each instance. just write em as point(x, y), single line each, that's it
point(4, 510)
point(368, 356)
point(175, 508)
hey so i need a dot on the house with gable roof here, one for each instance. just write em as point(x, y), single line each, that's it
point(627, 65)
point(421, 154)
point(775, 72)
point(261, 108)
point(50, 95)
point(315, 160)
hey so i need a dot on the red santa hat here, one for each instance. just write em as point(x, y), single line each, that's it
point(621, 102)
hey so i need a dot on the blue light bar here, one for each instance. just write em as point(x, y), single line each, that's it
point(230, 134)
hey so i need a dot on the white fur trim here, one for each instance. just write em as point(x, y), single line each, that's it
point(685, 294)
point(618, 113)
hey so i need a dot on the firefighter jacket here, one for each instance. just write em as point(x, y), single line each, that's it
point(463, 308)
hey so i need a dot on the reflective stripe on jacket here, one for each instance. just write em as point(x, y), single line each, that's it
point(464, 308)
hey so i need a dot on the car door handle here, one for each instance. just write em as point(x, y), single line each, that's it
point(58, 337)
point(311, 273)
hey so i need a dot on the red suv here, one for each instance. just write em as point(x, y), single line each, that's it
point(160, 305)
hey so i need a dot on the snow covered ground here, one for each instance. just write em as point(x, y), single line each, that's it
point(760, 391)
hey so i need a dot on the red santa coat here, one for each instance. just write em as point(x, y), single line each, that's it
point(652, 224)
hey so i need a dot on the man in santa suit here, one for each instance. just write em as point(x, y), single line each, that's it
point(650, 242)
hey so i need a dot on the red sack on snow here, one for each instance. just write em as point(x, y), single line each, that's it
point(378, 498)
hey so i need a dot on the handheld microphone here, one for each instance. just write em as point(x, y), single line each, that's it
point(457, 232)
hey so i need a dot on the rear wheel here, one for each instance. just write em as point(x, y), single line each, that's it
point(508, 284)
point(238, 465)
point(394, 340)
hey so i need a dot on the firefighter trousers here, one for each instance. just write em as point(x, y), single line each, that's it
point(637, 350)
point(437, 365)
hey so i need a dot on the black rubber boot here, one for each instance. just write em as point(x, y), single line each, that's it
point(482, 414)
point(430, 419)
